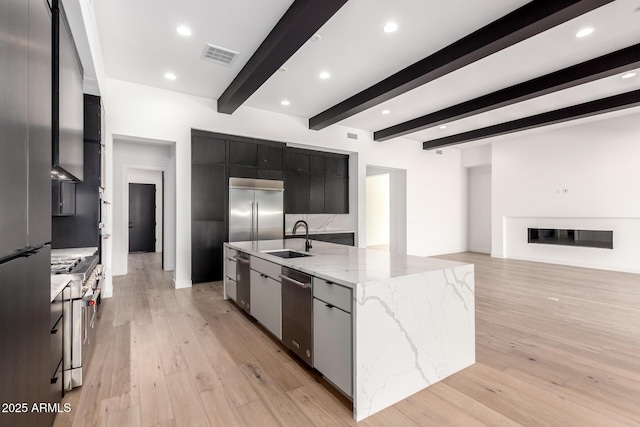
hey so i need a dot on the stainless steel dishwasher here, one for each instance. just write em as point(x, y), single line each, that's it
point(243, 282)
point(297, 313)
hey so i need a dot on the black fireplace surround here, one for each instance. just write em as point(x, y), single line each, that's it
point(558, 236)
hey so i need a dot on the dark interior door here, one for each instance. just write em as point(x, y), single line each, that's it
point(142, 218)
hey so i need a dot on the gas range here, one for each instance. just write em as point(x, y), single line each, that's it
point(81, 269)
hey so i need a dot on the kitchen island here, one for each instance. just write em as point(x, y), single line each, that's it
point(412, 318)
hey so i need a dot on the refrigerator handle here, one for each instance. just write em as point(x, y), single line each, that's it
point(257, 218)
point(251, 231)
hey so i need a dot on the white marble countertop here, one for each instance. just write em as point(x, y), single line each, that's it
point(58, 283)
point(342, 264)
point(81, 252)
point(300, 232)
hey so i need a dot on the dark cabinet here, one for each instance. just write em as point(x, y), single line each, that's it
point(277, 175)
point(316, 164)
point(270, 157)
point(208, 192)
point(316, 194)
point(336, 194)
point(92, 118)
point(296, 160)
point(207, 150)
point(243, 172)
point(243, 153)
point(296, 192)
point(336, 165)
point(347, 239)
point(63, 198)
point(206, 250)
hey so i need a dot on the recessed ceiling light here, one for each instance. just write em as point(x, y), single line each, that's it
point(285, 102)
point(170, 76)
point(324, 75)
point(584, 32)
point(391, 27)
point(629, 75)
point(183, 31)
point(637, 11)
point(316, 38)
point(386, 111)
point(443, 127)
point(283, 69)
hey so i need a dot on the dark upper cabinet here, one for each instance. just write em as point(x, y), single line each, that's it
point(336, 165)
point(208, 192)
point(206, 250)
point(63, 198)
point(92, 118)
point(296, 192)
point(337, 194)
point(271, 174)
point(316, 164)
point(243, 172)
point(316, 194)
point(270, 157)
point(243, 153)
point(296, 160)
point(207, 150)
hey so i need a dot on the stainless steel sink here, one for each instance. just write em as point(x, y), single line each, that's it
point(286, 253)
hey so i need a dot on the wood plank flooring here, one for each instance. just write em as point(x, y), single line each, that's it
point(555, 345)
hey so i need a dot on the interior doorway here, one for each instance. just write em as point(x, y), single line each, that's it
point(386, 209)
point(142, 218)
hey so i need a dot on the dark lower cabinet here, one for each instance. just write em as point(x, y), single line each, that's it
point(336, 194)
point(206, 250)
point(347, 239)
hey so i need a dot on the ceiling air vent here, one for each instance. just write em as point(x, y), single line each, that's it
point(219, 55)
point(352, 135)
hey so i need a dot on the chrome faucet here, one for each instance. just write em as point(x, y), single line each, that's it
point(307, 243)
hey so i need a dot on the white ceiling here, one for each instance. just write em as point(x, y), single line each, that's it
point(140, 44)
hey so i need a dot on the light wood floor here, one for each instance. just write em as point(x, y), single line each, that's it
point(556, 346)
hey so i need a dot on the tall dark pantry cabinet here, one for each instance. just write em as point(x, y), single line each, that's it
point(25, 210)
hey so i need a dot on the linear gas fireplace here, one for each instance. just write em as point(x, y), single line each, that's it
point(558, 236)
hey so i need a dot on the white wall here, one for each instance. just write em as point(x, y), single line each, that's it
point(377, 194)
point(129, 157)
point(436, 184)
point(143, 176)
point(480, 209)
point(597, 163)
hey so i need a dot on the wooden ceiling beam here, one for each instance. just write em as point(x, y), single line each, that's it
point(301, 21)
point(580, 111)
point(527, 21)
point(585, 72)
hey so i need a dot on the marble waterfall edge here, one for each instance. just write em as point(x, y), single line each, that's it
point(411, 332)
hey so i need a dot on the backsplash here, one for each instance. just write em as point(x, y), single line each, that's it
point(322, 222)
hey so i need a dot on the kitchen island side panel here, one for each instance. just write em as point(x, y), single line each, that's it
point(411, 332)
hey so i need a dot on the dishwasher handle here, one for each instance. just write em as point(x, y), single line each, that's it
point(295, 282)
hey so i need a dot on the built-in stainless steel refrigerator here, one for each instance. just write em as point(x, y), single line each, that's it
point(256, 209)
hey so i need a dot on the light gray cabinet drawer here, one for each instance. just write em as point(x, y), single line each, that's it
point(230, 288)
point(229, 253)
point(269, 268)
point(334, 294)
point(266, 302)
point(332, 345)
point(230, 268)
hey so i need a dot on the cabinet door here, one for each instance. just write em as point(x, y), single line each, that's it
point(336, 165)
point(296, 192)
point(13, 125)
point(243, 172)
point(92, 119)
point(206, 250)
point(336, 190)
point(207, 150)
point(332, 344)
point(208, 192)
point(243, 153)
point(296, 160)
point(316, 164)
point(270, 174)
point(270, 157)
point(266, 302)
point(339, 238)
point(316, 194)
